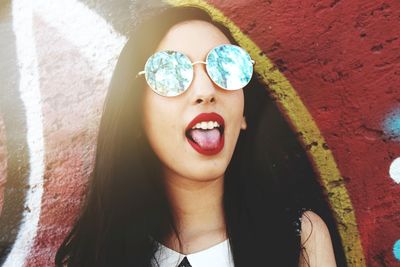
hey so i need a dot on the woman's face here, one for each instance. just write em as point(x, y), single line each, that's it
point(194, 154)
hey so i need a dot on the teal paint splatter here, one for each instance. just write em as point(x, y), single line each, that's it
point(392, 125)
point(396, 250)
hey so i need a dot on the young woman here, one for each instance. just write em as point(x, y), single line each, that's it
point(185, 173)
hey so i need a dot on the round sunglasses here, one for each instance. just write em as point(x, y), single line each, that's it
point(170, 73)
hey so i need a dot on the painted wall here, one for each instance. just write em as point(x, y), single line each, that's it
point(334, 67)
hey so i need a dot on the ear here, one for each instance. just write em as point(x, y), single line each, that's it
point(243, 126)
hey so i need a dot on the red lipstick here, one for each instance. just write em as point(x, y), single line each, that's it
point(207, 117)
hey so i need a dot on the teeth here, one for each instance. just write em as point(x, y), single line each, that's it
point(206, 125)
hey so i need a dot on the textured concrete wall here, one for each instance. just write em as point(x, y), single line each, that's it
point(333, 66)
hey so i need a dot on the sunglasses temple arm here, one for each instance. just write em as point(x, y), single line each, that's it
point(140, 73)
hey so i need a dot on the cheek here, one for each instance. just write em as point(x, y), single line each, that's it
point(237, 109)
point(237, 105)
point(151, 120)
point(159, 122)
point(152, 112)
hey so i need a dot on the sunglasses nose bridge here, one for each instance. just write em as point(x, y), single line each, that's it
point(204, 69)
point(202, 63)
point(199, 62)
point(203, 88)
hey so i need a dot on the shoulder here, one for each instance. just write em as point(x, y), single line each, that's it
point(315, 241)
point(312, 225)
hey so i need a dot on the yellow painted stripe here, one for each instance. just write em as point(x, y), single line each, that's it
point(303, 122)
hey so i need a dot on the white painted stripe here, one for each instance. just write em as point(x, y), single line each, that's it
point(31, 99)
point(94, 38)
point(98, 42)
point(394, 170)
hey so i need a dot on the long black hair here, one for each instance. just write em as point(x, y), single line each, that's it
point(126, 208)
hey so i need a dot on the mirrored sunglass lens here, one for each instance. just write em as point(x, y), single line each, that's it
point(169, 73)
point(229, 66)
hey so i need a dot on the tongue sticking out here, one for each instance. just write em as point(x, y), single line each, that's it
point(206, 139)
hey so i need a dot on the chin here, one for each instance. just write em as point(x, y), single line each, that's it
point(207, 174)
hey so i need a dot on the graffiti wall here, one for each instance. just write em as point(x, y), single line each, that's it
point(333, 66)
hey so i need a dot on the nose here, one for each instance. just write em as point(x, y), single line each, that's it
point(202, 88)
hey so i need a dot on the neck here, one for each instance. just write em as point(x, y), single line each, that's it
point(198, 209)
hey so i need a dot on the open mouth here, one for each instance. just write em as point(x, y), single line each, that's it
point(205, 133)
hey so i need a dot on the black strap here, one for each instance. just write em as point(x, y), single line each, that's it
point(184, 263)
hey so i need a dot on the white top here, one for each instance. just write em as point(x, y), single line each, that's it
point(218, 255)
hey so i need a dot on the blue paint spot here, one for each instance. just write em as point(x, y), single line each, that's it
point(392, 125)
point(396, 250)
